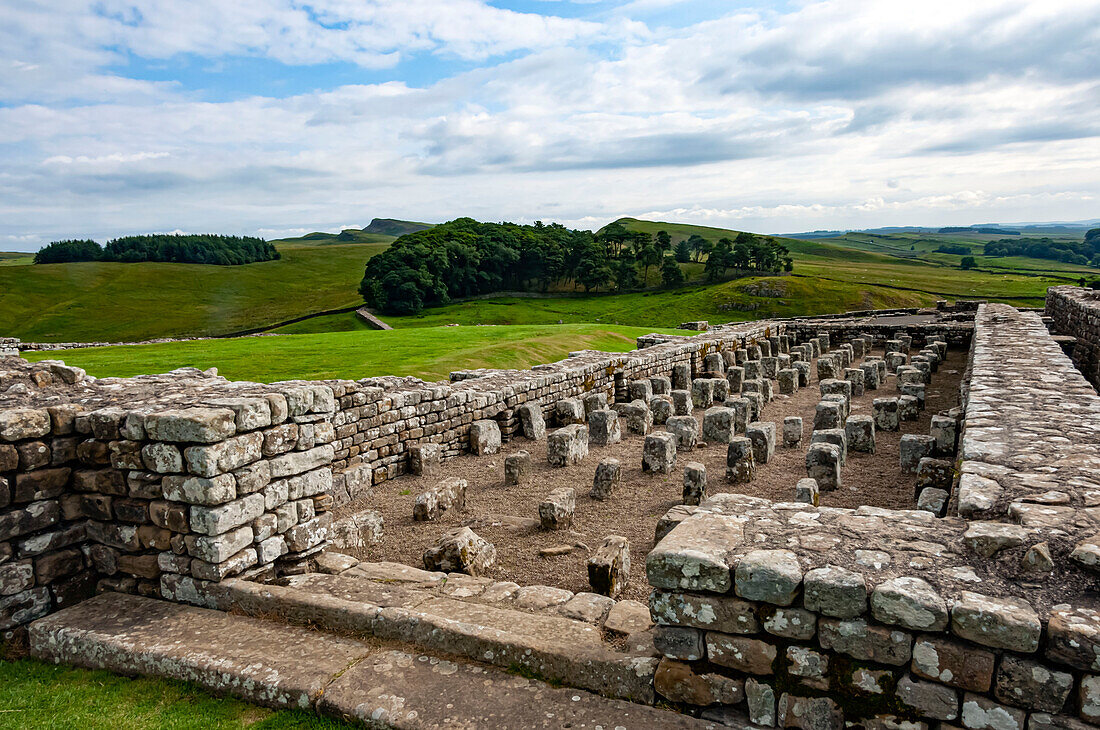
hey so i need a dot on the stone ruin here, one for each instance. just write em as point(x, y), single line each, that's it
point(976, 608)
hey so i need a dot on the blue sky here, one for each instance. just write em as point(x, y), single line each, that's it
point(277, 117)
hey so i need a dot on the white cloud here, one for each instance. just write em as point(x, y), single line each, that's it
point(842, 113)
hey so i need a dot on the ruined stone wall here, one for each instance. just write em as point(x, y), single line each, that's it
point(881, 329)
point(159, 485)
point(378, 419)
point(816, 617)
point(1076, 312)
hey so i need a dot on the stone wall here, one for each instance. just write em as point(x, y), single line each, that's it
point(9, 346)
point(160, 484)
point(1076, 311)
point(816, 617)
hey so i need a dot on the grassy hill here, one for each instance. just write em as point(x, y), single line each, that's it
point(126, 302)
point(426, 353)
point(395, 228)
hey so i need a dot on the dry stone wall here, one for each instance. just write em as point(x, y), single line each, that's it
point(1075, 311)
point(824, 618)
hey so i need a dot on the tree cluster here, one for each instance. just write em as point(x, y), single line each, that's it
point(173, 248)
point(465, 258)
point(956, 248)
point(1068, 252)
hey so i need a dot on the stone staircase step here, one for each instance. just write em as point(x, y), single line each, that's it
point(553, 648)
point(279, 665)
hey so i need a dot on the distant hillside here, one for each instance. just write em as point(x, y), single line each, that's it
point(393, 227)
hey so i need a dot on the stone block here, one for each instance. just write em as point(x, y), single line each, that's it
point(598, 401)
point(225, 517)
point(769, 367)
point(681, 376)
point(835, 591)
point(770, 576)
point(677, 681)
point(806, 492)
point(726, 614)
point(661, 407)
point(609, 566)
point(762, 436)
point(556, 511)
point(740, 461)
point(953, 663)
point(603, 427)
point(1028, 684)
point(517, 468)
point(686, 431)
point(913, 448)
point(927, 699)
point(1001, 623)
point(885, 413)
point(908, 408)
point(568, 445)
point(760, 701)
point(944, 431)
point(742, 412)
point(823, 465)
point(425, 459)
point(17, 424)
point(910, 603)
point(531, 421)
point(870, 376)
point(792, 430)
point(638, 418)
point(735, 376)
point(982, 713)
point(828, 414)
point(484, 437)
point(865, 642)
point(694, 556)
point(935, 473)
point(640, 390)
point(682, 404)
point(608, 475)
point(702, 393)
point(662, 384)
point(719, 425)
point(859, 430)
point(461, 551)
point(1073, 637)
point(741, 653)
point(933, 500)
point(196, 425)
point(448, 494)
point(695, 483)
point(754, 370)
point(678, 642)
point(803, 369)
point(659, 453)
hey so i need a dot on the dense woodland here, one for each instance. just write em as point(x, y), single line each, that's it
point(183, 249)
point(1069, 252)
point(465, 258)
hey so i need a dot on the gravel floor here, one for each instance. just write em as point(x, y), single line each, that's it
point(507, 517)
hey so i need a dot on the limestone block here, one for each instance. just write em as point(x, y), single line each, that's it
point(982, 713)
point(714, 364)
point(865, 642)
point(828, 414)
point(1001, 623)
point(461, 551)
point(909, 602)
point(694, 556)
point(771, 576)
point(740, 461)
point(603, 427)
point(1074, 637)
point(835, 591)
point(702, 393)
point(935, 473)
point(661, 407)
point(598, 401)
point(639, 419)
point(219, 548)
point(792, 430)
point(806, 492)
point(769, 367)
point(682, 403)
point(953, 663)
point(677, 681)
point(788, 381)
point(762, 435)
point(571, 410)
point(517, 468)
point(856, 378)
point(224, 456)
point(686, 431)
point(425, 459)
point(870, 376)
point(531, 421)
point(679, 642)
point(448, 494)
point(608, 474)
point(695, 483)
point(742, 410)
point(945, 432)
point(754, 370)
point(823, 465)
point(741, 653)
point(719, 425)
point(908, 408)
point(640, 390)
point(17, 424)
point(484, 437)
point(568, 445)
point(659, 452)
point(556, 511)
point(609, 566)
point(913, 448)
point(885, 413)
point(196, 425)
point(662, 384)
point(225, 517)
point(162, 458)
point(928, 699)
point(306, 535)
point(1028, 684)
point(735, 376)
point(681, 376)
point(726, 614)
point(836, 436)
point(933, 500)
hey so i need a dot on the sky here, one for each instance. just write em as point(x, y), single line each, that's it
point(280, 117)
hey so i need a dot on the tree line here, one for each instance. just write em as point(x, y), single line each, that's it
point(1084, 253)
point(465, 258)
point(173, 248)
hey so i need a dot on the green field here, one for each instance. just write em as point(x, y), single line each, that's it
point(426, 353)
point(321, 271)
point(38, 696)
point(129, 302)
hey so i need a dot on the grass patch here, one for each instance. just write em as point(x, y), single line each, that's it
point(39, 696)
point(426, 353)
